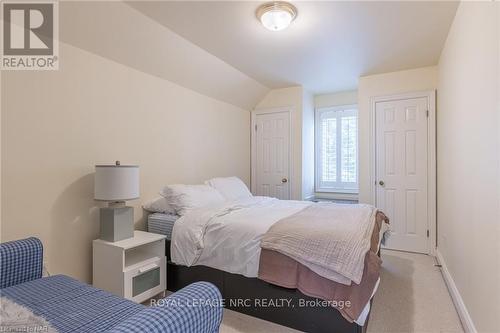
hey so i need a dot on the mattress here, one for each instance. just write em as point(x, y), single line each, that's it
point(228, 237)
point(160, 223)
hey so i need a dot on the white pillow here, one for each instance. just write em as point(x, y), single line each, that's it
point(231, 188)
point(159, 205)
point(184, 197)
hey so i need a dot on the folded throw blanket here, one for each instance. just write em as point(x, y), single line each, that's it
point(330, 239)
point(17, 318)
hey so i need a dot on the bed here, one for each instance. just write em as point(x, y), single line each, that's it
point(222, 245)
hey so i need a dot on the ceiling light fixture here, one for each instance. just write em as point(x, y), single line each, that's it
point(276, 15)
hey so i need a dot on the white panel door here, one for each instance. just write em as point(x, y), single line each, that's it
point(401, 171)
point(272, 155)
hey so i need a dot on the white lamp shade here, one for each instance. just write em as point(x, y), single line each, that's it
point(116, 182)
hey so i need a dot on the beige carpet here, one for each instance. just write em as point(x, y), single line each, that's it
point(412, 297)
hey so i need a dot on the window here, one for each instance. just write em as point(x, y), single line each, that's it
point(336, 133)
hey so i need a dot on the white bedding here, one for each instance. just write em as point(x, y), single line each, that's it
point(227, 237)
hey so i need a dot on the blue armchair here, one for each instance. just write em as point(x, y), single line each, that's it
point(72, 306)
point(20, 261)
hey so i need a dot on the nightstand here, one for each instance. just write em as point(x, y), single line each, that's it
point(133, 268)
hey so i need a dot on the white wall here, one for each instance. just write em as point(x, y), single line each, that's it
point(412, 80)
point(56, 125)
point(290, 97)
point(140, 42)
point(337, 98)
point(468, 136)
point(2, 157)
point(308, 146)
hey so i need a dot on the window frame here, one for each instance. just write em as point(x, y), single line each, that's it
point(338, 187)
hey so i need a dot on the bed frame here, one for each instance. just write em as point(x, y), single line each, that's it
point(243, 295)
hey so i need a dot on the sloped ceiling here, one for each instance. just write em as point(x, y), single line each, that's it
point(118, 32)
point(219, 49)
point(327, 48)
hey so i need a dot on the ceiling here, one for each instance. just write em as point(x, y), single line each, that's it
point(123, 35)
point(327, 48)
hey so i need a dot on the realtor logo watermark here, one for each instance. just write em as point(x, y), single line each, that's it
point(30, 35)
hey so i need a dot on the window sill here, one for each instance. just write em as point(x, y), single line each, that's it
point(336, 195)
point(329, 190)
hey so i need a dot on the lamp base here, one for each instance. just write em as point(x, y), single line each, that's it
point(116, 223)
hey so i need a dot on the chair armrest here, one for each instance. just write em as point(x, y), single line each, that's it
point(196, 308)
point(20, 261)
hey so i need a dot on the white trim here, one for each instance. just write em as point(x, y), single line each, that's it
point(309, 197)
point(254, 114)
point(462, 311)
point(432, 173)
point(431, 156)
point(336, 196)
point(317, 183)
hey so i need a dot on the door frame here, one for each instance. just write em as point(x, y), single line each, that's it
point(253, 148)
point(431, 156)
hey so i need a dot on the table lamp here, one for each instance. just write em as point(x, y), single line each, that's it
point(115, 184)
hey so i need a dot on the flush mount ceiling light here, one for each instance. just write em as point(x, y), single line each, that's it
point(276, 15)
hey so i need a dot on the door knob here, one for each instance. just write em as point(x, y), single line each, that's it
point(284, 180)
point(381, 183)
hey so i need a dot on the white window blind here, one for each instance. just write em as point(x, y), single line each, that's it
point(336, 133)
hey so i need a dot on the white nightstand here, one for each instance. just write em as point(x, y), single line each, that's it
point(133, 268)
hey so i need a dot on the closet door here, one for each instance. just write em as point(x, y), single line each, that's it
point(401, 171)
point(271, 154)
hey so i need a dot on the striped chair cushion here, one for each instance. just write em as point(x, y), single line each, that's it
point(72, 306)
point(162, 224)
point(196, 308)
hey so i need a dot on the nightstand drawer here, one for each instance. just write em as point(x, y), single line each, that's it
point(145, 281)
point(133, 268)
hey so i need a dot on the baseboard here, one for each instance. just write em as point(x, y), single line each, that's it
point(465, 318)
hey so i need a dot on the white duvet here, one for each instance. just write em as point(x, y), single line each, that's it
point(227, 237)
